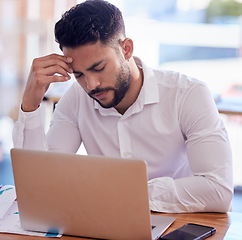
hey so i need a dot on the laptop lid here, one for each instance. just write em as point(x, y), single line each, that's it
point(88, 196)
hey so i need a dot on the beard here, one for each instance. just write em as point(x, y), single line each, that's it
point(122, 85)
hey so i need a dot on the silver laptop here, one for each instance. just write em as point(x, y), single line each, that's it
point(88, 196)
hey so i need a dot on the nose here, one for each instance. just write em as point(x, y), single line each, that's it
point(92, 82)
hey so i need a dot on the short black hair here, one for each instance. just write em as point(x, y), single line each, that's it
point(89, 22)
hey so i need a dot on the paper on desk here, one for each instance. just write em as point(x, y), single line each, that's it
point(7, 197)
point(10, 223)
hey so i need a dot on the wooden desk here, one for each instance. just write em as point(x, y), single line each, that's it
point(221, 221)
point(232, 106)
point(231, 112)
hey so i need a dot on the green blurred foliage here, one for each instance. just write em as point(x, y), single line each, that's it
point(224, 8)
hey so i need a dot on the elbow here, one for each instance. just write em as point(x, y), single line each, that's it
point(222, 202)
point(226, 202)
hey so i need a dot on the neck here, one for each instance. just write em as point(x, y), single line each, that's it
point(134, 89)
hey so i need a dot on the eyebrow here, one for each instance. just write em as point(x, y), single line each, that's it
point(90, 68)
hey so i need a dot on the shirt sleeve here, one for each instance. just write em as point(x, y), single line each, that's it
point(28, 131)
point(63, 134)
point(210, 188)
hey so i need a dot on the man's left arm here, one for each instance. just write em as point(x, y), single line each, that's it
point(210, 189)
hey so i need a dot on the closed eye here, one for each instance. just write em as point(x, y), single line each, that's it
point(79, 75)
point(93, 68)
point(99, 70)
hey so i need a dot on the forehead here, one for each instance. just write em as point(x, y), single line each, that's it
point(89, 53)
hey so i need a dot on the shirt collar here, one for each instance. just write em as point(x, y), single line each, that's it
point(149, 89)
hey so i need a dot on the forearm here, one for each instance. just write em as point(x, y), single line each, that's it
point(28, 131)
point(192, 194)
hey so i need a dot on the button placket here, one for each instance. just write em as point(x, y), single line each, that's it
point(124, 140)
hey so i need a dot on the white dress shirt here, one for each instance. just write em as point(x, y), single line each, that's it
point(173, 125)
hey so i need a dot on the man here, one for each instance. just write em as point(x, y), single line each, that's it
point(119, 107)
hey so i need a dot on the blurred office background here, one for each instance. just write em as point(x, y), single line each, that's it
point(201, 38)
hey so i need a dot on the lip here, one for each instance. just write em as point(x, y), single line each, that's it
point(100, 95)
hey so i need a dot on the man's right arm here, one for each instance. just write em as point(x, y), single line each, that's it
point(28, 131)
point(44, 71)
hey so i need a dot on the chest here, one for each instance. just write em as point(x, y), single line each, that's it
point(148, 130)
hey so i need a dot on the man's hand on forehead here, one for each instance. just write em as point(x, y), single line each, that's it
point(44, 71)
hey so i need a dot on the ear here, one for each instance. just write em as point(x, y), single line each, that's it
point(127, 48)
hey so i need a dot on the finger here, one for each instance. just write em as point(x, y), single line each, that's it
point(56, 56)
point(53, 60)
point(54, 78)
point(49, 71)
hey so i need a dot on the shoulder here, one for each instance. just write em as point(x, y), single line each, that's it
point(172, 79)
point(168, 79)
point(176, 86)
